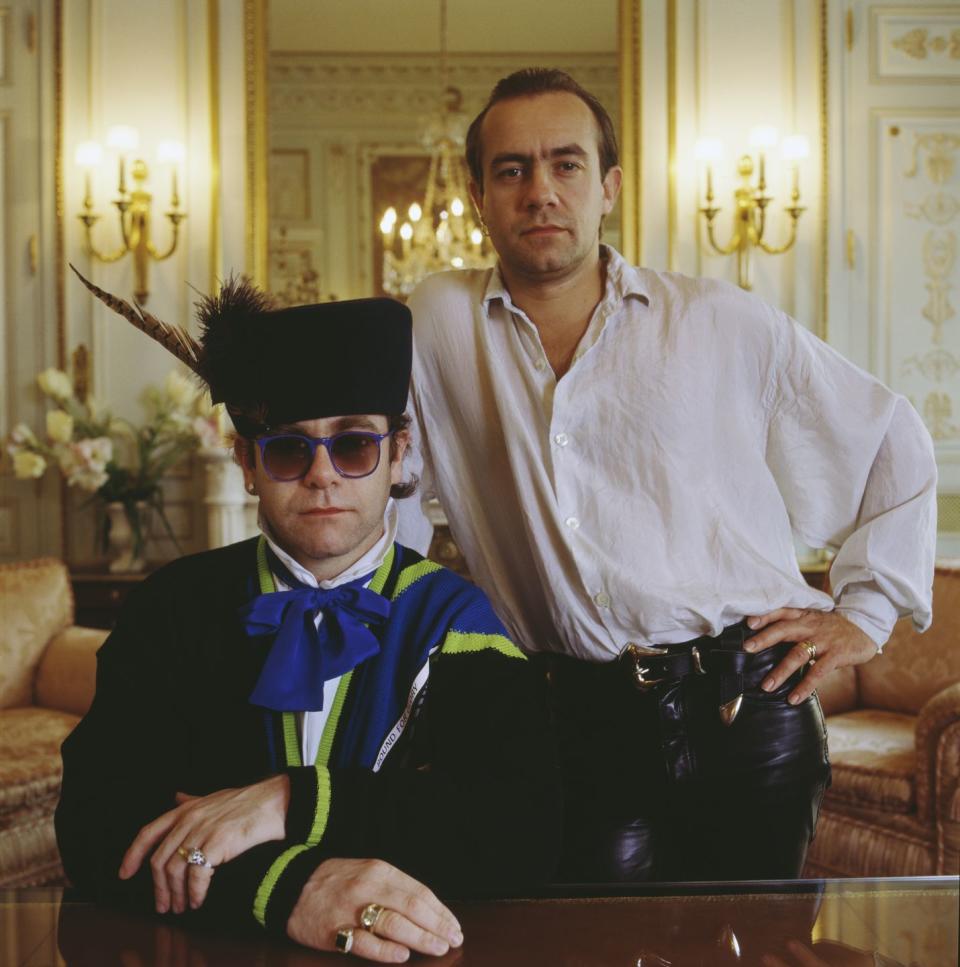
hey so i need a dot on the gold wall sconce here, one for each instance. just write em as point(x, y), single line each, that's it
point(751, 198)
point(133, 204)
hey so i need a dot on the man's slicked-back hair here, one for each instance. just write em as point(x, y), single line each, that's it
point(529, 82)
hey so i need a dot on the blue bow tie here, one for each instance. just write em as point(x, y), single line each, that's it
point(303, 655)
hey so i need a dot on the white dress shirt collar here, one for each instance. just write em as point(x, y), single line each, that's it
point(622, 280)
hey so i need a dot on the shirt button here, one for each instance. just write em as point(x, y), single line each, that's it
point(539, 365)
point(561, 439)
point(602, 599)
point(572, 522)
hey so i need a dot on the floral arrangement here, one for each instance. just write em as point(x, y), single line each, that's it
point(110, 457)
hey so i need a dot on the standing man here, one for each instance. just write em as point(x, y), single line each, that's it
point(625, 457)
point(313, 729)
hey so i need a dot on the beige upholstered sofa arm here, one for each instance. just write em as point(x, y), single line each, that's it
point(67, 674)
point(938, 751)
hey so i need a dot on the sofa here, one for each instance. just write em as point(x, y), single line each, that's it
point(893, 728)
point(47, 673)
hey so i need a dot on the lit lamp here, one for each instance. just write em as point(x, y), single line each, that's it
point(134, 205)
point(751, 200)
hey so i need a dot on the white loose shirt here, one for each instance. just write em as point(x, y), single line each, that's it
point(652, 494)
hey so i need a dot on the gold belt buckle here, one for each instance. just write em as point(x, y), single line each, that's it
point(640, 671)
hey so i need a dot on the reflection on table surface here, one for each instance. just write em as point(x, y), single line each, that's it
point(822, 923)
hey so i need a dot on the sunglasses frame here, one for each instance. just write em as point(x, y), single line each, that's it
point(327, 442)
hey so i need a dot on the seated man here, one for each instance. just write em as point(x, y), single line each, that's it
point(293, 728)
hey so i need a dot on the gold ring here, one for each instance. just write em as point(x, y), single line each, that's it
point(344, 940)
point(370, 916)
point(811, 650)
point(194, 857)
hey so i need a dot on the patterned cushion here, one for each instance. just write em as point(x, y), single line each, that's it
point(36, 601)
point(873, 759)
point(856, 844)
point(30, 767)
point(30, 771)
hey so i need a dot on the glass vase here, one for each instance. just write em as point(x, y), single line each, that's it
point(126, 536)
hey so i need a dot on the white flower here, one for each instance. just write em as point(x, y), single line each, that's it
point(208, 432)
point(55, 383)
point(84, 463)
point(181, 391)
point(22, 434)
point(27, 464)
point(59, 426)
point(97, 451)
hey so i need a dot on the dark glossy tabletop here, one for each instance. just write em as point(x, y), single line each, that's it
point(824, 923)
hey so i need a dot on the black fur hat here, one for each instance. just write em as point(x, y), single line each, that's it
point(275, 366)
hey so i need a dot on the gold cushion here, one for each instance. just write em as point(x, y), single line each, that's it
point(838, 691)
point(67, 675)
point(30, 766)
point(873, 759)
point(36, 601)
point(913, 667)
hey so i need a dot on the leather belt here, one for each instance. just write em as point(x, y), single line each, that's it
point(722, 657)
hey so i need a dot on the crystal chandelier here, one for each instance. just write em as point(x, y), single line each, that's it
point(441, 233)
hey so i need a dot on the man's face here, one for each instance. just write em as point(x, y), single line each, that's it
point(543, 197)
point(325, 521)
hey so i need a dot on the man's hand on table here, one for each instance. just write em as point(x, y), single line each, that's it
point(222, 825)
point(338, 891)
point(838, 642)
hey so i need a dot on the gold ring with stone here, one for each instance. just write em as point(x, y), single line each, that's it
point(194, 857)
point(370, 916)
point(344, 940)
point(811, 650)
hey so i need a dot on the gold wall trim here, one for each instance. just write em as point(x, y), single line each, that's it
point(59, 239)
point(672, 234)
point(629, 43)
point(823, 325)
point(213, 61)
point(59, 231)
point(255, 56)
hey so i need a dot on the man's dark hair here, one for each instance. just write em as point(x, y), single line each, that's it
point(528, 83)
point(244, 453)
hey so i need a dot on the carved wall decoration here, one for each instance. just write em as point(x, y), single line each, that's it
point(919, 204)
point(919, 44)
point(295, 277)
point(934, 156)
point(916, 45)
point(289, 185)
point(937, 414)
point(936, 365)
point(939, 257)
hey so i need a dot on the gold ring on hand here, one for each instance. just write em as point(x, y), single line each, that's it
point(344, 940)
point(194, 857)
point(370, 917)
point(811, 650)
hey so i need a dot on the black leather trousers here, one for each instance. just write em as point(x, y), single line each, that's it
point(658, 787)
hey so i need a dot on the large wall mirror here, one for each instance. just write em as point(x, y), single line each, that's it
point(351, 91)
